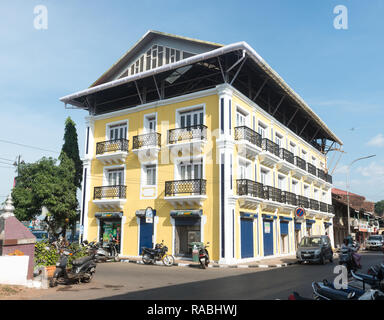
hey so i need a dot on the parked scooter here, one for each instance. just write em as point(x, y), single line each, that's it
point(202, 252)
point(104, 254)
point(83, 269)
point(159, 253)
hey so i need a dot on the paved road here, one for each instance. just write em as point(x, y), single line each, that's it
point(121, 281)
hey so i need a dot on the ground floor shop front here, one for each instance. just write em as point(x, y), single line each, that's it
point(255, 234)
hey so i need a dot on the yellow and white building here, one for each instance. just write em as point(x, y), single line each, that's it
point(188, 140)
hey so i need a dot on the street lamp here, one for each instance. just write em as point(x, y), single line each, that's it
point(347, 185)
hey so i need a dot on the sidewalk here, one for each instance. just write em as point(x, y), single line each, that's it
point(277, 262)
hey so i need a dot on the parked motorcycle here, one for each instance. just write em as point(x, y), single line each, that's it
point(159, 253)
point(202, 252)
point(83, 269)
point(104, 254)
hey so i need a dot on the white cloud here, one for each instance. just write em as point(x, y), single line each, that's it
point(374, 171)
point(377, 141)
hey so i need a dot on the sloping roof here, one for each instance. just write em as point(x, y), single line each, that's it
point(146, 38)
point(218, 51)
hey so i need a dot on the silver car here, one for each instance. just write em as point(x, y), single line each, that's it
point(374, 242)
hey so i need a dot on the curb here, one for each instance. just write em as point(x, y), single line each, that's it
point(240, 266)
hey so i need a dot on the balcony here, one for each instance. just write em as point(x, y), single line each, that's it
point(314, 204)
point(147, 146)
point(300, 169)
point(187, 140)
point(286, 162)
point(270, 153)
point(273, 198)
point(248, 142)
point(112, 151)
point(323, 207)
point(250, 193)
point(330, 209)
point(289, 200)
point(303, 202)
point(110, 197)
point(186, 192)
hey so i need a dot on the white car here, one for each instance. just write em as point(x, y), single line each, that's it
point(374, 242)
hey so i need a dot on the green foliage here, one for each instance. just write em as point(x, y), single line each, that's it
point(45, 254)
point(379, 207)
point(46, 183)
point(71, 149)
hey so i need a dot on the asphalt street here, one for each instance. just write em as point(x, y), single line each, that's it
point(127, 281)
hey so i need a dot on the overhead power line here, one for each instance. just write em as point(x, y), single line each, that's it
point(28, 146)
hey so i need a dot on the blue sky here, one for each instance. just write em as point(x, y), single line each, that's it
point(339, 73)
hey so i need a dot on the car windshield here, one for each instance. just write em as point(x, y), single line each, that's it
point(375, 238)
point(310, 242)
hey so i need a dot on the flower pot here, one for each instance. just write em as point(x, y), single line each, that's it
point(50, 271)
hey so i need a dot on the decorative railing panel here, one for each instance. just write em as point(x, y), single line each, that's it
point(321, 174)
point(270, 146)
point(245, 133)
point(314, 204)
point(110, 192)
point(147, 140)
point(272, 193)
point(323, 207)
point(303, 201)
point(192, 187)
point(246, 187)
point(286, 155)
point(196, 132)
point(301, 163)
point(311, 169)
point(289, 198)
point(112, 146)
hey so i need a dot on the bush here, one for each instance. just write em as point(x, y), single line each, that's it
point(46, 254)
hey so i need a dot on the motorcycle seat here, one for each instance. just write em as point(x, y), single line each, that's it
point(81, 261)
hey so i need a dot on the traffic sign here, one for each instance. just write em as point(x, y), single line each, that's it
point(299, 212)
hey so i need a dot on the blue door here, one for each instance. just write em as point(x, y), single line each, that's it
point(268, 237)
point(246, 238)
point(283, 227)
point(146, 232)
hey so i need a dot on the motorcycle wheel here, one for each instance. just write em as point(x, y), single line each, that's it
point(207, 259)
point(53, 282)
point(116, 259)
point(202, 263)
point(147, 258)
point(88, 278)
point(168, 260)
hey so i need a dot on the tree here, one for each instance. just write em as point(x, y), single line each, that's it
point(379, 207)
point(71, 149)
point(46, 183)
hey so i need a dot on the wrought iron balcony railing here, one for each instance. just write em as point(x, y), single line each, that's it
point(286, 155)
point(246, 187)
point(110, 192)
point(192, 187)
point(289, 198)
point(311, 169)
point(330, 208)
point(301, 163)
point(272, 193)
point(314, 204)
point(323, 207)
point(112, 146)
point(303, 201)
point(196, 132)
point(270, 146)
point(321, 174)
point(147, 140)
point(328, 178)
point(245, 133)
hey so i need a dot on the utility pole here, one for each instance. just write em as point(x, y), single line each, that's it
point(17, 165)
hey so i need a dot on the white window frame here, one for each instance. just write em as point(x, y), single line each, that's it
point(267, 176)
point(180, 111)
point(115, 167)
point(247, 165)
point(262, 128)
point(114, 123)
point(147, 119)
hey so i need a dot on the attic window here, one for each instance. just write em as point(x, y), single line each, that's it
point(156, 56)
